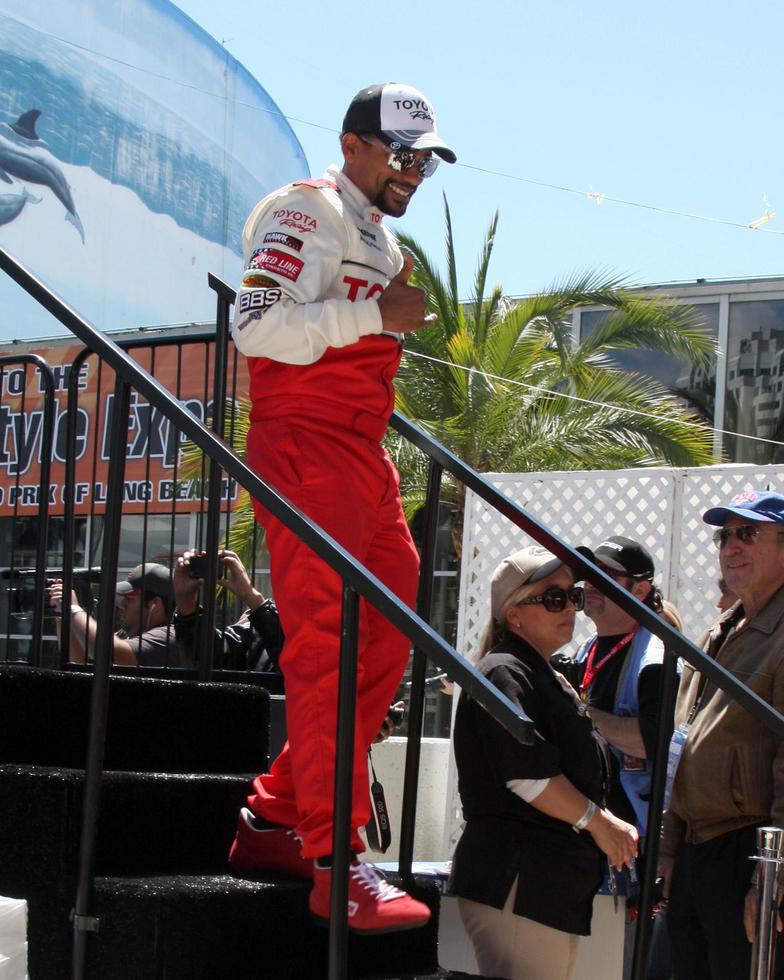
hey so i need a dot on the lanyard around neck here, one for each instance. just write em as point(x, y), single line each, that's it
point(592, 669)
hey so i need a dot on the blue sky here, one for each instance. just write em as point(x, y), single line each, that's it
point(675, 105)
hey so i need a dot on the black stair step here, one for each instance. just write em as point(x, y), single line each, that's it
point(149, 823)
point(221, 928)
point(215, 928)
point(154, 725)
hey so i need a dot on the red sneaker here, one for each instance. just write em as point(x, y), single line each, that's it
point(374, 905)
point(275, 851)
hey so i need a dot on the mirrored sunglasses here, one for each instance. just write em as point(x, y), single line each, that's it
point(400, 159)
point(745, 533)
point(555, 598)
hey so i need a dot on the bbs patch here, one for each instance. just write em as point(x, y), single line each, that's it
point(259, 299)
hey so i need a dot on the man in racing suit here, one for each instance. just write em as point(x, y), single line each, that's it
point(321, 311)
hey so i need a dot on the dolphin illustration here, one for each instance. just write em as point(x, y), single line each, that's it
point(35, 166)
point(11, 205)
point(25, 126)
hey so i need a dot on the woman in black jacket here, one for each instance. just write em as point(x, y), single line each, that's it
point(536, 839)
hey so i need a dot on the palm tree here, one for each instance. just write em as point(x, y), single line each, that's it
point(506, 386)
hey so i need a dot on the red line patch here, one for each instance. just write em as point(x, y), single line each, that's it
point(273, 260)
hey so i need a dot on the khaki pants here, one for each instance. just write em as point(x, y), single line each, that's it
point(511, 947)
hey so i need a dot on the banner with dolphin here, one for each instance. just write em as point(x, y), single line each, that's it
point(132, 146)
point(24, 158)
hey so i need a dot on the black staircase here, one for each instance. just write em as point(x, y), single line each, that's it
point(140, 831)
point(178, 760)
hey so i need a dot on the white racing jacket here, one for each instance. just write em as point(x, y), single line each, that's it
point(317, 258)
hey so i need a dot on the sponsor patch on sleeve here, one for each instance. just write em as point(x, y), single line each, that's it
point(273, 260)
point(297, 220)
point(281, 238)
point(257, 280)
point(259, 299)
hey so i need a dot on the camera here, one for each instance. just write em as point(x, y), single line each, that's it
point(395, 714)
point(199, 564)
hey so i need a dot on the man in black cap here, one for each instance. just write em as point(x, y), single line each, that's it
point(621, 676)
point(145, 602)
point(729, 778)
point(620, 680)
point(321, 313)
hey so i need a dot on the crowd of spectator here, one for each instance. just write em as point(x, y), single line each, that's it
point(577, 799)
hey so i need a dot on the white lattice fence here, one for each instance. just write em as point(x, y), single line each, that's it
point(662, 508)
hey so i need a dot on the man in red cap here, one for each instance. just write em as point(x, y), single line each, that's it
point(321, 313)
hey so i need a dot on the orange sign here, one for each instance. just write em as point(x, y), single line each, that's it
point(153, 477)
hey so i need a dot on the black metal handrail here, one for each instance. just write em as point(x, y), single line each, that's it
point(47, 437)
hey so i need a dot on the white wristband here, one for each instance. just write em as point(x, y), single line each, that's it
point(586, 818)
point(76, 609)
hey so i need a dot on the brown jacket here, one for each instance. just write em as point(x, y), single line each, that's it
point(731, 773)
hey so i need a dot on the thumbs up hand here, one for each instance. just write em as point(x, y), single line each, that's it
point(402, 306)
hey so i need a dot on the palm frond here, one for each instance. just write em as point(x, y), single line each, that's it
point(426, 276)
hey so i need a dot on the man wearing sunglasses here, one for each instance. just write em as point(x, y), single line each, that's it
point(730, 777)
point(321, 312)
point(621, 675)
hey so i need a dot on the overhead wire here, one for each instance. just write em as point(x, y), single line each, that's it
point(753, 226)
point(585, 401)
point(756, 226)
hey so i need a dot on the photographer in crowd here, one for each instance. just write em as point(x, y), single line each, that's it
point(146, 638)
point(252, 643)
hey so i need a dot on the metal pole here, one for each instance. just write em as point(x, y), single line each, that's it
point(69, 510)
point(344, 784)
point(47, 386)
point(763, 953)
point(669, 691)
point(416, 704)
point(207, 625)
point(84, 922)
point(47, 436)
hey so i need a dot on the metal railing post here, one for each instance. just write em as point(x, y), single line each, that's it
point(770, 841)
point(669, 692)
point(69, 503)
point(44, 482)
point(416, 704)
point(344, 782)
point(207, 625)
point(84, 922)
point(47, 438)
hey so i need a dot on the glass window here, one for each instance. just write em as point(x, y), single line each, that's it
point(755, 353)
point(695, 386)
